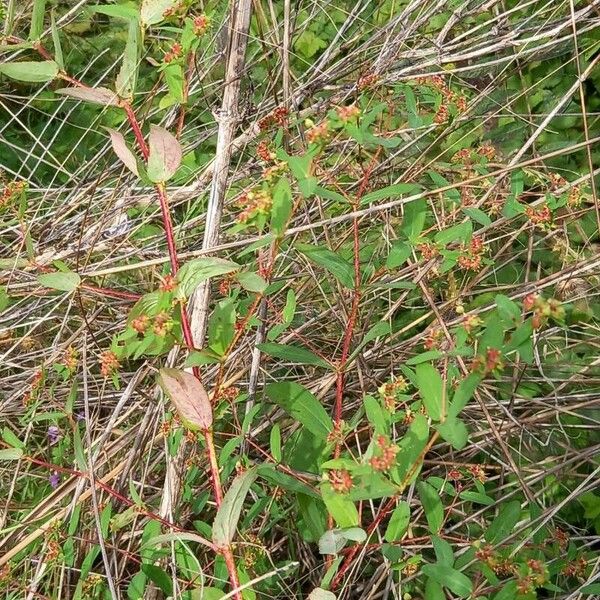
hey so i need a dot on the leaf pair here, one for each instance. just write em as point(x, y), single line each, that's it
point(164, 154)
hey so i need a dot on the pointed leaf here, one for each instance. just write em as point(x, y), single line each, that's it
point(129, 11)
point(99, 95)
point(189, 397)
point(127, 77)
point(11, 453)
point(390, 191)
point(431, 389)
point(122, 151)
point(339, 267)
point(165, 154)
point(194, 272)
point(153, 11)
point(229, 512)
point(432, 505)
point(454, 431)
point(58, 53)
point(295, 354)
point(398, 522)
point(65, 281)
point(31, 71)
point(37, 20)
point(458, 583)
point(252, 282)
point(282, 205)
point(302, 405)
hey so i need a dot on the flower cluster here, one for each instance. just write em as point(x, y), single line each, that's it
point(543, 309)
point(200, 24)
point(10, 191)
point(109, 363)
point(348, 113)
point(539, 216)
point(174, 53)
point(253, 203)
point(491, 362)
point(472, 257)
point(71, 358)
point(366, 81)
point(448, 97)
point(386, 457)
point(317, 134)
point(168, 284)
point(263, 152)
point(389, 392)
point(278, 117)
point(341, 480)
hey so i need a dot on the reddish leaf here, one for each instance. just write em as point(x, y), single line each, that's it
point(189, 397)
point(165, 154)
point(122, 151)
point(99, 95)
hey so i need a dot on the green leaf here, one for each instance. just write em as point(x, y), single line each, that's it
point(11, 453)
point(434, 590)
point(458, 583)
point(300, 166)
point(128, 11)
point(29, 71)
point(398, 189)
point(152, 11)
point(11, 439)
point(282, 206)
point(592, 588)
point(165, 154)
point(221, 326)
point(477, 215)
point(476, 497)
point(287, 482)
point(411, 449)
point(509, 311)
point(463, 394)
point(503, 525)
point(228, 515)
point(96, 95)
point(432, 505)
point(159, 577)
point(189, 397)
point(37, 20)
point(398, 523)
point(127, 76)
point(308, 44)
point(457, 233)
point(65, 281)
point(399, 252)
point(431, 389)
point(454, 431)
point(443, 551)
point(340, 268)
point(252, 282)
point(295, 354)
point(376, 416)
point(119, 145)
point(340, 507)
point(275, 442)
point(379, 329)
point(196, 271)
point(302, 406)
point(289, 310)
point(175, 536)
point(413, 221)
point(333, 540)
point(174, 78)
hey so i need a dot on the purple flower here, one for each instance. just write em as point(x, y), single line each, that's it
point(79, 417)
point(54, 479)
point(53, 434)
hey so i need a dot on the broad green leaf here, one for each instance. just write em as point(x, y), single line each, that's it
point(302, 406)
point(503, 525)
point(463, 394)
point(228, 515)
point(308, 44)
point(413, 221)
point(37, 19)
point(165, 154)
point(592, 588)
point(477, 215)
point(391, 191)
point(221, 326)
point(29, 71)
point(454, 431)
point(339, 267)
point(11, 453)
point(11, 439)
point(376, 415)
point(196, 271)
point(175, 80)
point(301, 167)
point(189, 397)
point(509, 311)
point(333, 540)
point(432, 505)
point(127, 76)
point(65, 281)
point(119, 145)
point(340, 507)
point(379, 329)
point(458, 583)
point(282, 206)
point(398, 255)
point(175, 536)
point(160, 577)
point(252, 282)
point(275, 442)
point(153, 11)
point(295, 354)
point(97, 95)
point(476, 497)
point(398, 523)
point(508, 592)
point(128, 11)
point(434, 590)
point(443, 551)
point(457, 233)
point(442, 182)
point(410, 458)
point(431, 389)
point(289, 310)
